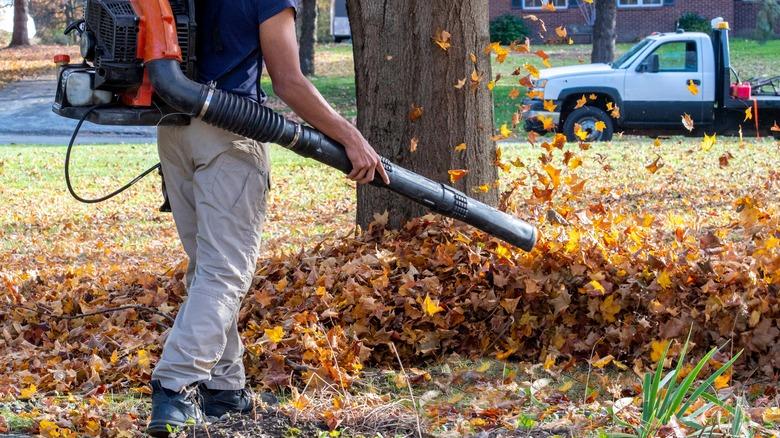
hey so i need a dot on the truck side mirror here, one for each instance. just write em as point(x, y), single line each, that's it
point(654, 63)
point(651, 64)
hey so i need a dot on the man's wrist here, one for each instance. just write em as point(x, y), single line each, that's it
point(348, 135)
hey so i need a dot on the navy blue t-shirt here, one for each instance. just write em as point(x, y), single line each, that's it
point(229, 50)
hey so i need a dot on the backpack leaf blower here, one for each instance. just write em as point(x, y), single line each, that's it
point(139, 69)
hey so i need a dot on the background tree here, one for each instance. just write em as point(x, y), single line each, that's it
point(20, 36)
point(767, 19)
point(51, 18)
point(398, 67)
point(307, 35)
point(604, 31)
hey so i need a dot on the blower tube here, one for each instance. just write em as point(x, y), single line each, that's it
point(248, 118)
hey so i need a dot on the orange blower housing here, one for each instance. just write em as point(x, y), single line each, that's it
point(118, 39)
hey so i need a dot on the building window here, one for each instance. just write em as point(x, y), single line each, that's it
point(540, 4)
point(639, 3)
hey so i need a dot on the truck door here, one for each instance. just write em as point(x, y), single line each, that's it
point(659, 93)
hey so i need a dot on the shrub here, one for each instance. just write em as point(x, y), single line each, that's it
point(692, 22)
point(508, 28)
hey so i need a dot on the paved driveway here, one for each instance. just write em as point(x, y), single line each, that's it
point(26, 118)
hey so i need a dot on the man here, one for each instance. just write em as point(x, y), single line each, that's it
point(217, 184)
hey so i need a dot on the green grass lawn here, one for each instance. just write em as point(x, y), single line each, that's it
point(42, 230)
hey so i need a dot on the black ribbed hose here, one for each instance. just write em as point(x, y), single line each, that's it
point(248, 118)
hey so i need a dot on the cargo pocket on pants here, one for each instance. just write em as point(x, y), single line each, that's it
point(239, 186)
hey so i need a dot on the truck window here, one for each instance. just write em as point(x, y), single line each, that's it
point(678, 56)
point(630, 54)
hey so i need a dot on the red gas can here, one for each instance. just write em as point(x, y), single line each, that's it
point(741, 90)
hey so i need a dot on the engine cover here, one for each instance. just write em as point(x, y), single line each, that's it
point(113, 25)
point(110, 45)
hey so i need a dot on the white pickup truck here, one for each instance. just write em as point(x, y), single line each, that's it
point(653, 85)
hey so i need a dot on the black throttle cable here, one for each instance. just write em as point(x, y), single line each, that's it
point(67, 167)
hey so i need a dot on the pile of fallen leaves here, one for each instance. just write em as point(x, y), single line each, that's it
point(31, 61)
point(605, 284)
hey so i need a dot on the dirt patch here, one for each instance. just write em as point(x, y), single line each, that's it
point(278, 424)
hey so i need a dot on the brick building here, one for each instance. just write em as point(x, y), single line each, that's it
point(635, 18)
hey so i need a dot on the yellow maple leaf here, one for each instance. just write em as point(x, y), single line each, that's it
point(549, 105)
point(748, 114)
point(484, 188)
point(581, 102)
point(569, 384)
point(597, 286)
point(49, 429)
point(664, 280)
point(590, 2)
point(300, 402)
point(501, 54)
point(693, 88)
point(275, 334)
point(580, 133)
point(547, 122)
point(505, 131)
point(575, 162)
point(548, 6)
point(771, 415)
point(561, 31)
point(27, 393)
point(143, 358)
point(442, 39)
point(609, 308)
point(461, 147)
point(114, 357)
point(600, 126)
point(491, 85)
point(531, 69)
point(604, 361)
point(708, 142)
point(657, 349)
point(555, 174)
point(549, 362)
point(460, 83)
point(722, 381)
point(431, 307)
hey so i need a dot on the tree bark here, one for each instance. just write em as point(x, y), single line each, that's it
point(398, 66)
point(308, 35)
point(604, 31)
point(20, 36)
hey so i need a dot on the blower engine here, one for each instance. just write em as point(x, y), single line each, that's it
point(139, 69)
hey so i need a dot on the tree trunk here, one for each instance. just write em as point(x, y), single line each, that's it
point(308, 35)
point(398, 66)
point(604, 31)
point(20, 37)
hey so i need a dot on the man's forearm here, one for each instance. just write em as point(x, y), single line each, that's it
point(303, 98)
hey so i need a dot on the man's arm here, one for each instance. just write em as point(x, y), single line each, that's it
point(280, 51)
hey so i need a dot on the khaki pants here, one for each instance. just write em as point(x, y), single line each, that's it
point(217, 184)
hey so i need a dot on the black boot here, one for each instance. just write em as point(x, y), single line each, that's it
point(217, 403)
point(173, 411)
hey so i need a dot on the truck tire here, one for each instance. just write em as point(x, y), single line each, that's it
point(587, 117)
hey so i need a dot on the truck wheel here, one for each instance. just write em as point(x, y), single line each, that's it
point(587, 117)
